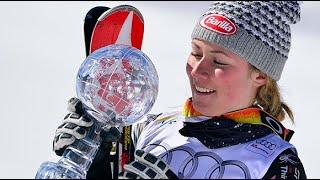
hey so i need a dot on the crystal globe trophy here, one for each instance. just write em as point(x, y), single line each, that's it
point(118, 85)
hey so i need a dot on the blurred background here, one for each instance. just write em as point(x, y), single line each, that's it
point(42, 47)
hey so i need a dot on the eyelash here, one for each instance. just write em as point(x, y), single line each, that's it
point(219, 63)
point(197, 56)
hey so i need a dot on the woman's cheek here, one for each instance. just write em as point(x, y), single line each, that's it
point(224, 82)
point(220, 75)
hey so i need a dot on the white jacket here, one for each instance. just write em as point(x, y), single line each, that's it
point(188, 158)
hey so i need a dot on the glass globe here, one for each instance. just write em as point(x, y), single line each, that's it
point(118, 84)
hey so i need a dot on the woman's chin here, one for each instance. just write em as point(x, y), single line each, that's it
point(203, 108)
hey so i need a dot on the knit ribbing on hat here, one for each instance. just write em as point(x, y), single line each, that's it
point(263, 33)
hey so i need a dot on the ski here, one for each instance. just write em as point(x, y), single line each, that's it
point(103, 26)
point(122, 24)
point(90, 21)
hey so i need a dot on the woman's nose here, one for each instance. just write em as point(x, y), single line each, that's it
point(201, 69)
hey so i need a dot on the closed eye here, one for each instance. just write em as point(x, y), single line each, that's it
point(197, 56)
point(219, 63)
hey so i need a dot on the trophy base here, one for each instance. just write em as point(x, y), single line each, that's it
point(51, 170)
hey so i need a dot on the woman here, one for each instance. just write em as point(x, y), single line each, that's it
point(230, 127)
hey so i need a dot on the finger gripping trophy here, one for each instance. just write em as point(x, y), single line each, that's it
point(118, 85)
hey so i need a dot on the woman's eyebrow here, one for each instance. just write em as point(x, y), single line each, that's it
point(196, 45)
point(212, 51)
point(218, 51)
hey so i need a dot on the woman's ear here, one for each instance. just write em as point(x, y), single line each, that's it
point(258, 78)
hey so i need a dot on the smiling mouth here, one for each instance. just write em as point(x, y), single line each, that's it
point(204, 90)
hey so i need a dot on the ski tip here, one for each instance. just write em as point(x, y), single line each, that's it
point(122, 24)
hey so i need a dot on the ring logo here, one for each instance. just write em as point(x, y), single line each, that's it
point(219, 24)
point(187, 163)
point(274, 124)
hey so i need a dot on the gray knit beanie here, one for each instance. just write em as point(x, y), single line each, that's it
point(257, 31)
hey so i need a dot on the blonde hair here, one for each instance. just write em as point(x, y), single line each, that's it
point(268, 97)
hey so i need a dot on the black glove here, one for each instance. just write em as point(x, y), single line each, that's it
point(75, 126)
point(146, 166)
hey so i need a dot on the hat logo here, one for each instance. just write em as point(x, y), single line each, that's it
point(219, 24)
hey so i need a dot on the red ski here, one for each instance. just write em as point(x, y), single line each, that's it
point(122, 24)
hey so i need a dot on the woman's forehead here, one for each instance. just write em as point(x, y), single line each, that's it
point(215, 48)
point(198, 43)
point(211, 47)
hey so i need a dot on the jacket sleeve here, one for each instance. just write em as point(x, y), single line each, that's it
point(286, 166)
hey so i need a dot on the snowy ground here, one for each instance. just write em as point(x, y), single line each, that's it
point(42, 47)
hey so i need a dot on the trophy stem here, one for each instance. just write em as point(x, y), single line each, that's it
point(76, 159)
